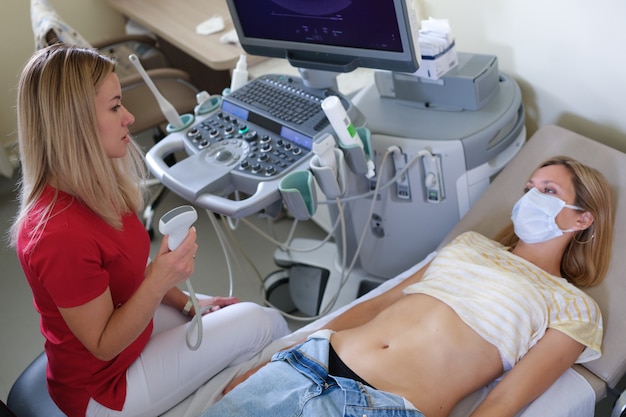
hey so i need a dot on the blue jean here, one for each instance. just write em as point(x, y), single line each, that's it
point(296, 383)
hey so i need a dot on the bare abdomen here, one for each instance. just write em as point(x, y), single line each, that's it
point(420, 349)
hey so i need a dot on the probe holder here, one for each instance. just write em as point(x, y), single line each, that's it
point(186, 120)
point(298, 191)
point(331, 184)
point(211, 103)
point(355, 156)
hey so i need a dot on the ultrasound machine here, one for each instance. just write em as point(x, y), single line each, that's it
point(434, 144)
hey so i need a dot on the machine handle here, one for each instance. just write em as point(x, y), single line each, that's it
point(212, 178)
point(266, 193)
point(155, 158)
point(496, 164)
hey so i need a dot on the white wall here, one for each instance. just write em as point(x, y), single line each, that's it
point(94, 19)
point(566, 56)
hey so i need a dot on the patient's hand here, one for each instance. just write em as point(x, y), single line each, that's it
point(239, 379)
point(211, 304)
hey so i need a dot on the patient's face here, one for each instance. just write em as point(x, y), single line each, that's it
point(555, 180)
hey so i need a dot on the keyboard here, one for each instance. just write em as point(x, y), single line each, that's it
point(268, 125)
point(289, 104)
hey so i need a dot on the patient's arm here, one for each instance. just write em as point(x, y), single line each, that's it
point(240, 378)
point(532, 375)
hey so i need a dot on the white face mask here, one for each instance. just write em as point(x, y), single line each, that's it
point(534, 216)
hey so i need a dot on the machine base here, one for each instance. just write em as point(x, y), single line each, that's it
point(314, 279)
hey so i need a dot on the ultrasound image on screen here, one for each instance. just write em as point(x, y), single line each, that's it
point(365, 24)
point(313, 7)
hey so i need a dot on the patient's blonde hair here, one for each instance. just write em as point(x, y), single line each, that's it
point(587, 258)
point(59, 139)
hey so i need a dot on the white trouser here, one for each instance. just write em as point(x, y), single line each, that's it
point(168, 371)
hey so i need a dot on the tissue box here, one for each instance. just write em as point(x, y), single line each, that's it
point(434, 67)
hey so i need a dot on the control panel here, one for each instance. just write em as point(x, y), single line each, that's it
point(261, 131)
point(249, 149)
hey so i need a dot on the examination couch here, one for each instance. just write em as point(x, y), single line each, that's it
point(575, 394)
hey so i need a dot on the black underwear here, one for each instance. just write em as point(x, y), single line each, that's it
point(337, 367)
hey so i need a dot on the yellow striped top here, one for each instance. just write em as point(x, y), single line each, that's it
point(509, 301)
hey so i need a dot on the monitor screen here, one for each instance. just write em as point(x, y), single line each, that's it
point(330, 35)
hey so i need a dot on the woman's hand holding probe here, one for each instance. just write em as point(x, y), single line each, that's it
point(178, 265)
point(170, 268)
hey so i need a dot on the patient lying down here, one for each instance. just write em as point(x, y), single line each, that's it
point(481, 310)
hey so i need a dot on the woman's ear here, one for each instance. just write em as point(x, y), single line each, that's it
point(585, 220)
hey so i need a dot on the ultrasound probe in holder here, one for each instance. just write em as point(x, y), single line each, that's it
point(324, 150)
point(176, 122)
point(343, 127)
point(340, 121)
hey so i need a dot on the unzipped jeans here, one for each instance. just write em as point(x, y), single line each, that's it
point(297, 383)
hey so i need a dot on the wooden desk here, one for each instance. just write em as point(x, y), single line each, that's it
point(174, 23)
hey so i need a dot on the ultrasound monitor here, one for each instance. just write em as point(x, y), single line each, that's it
point(331, 36)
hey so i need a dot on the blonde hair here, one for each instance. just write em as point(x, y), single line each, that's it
point(587, 258)
point(59, 139)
